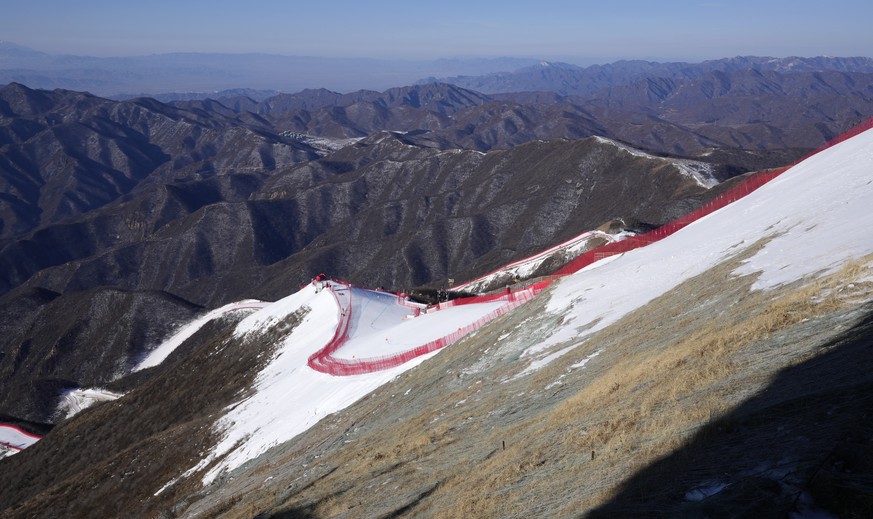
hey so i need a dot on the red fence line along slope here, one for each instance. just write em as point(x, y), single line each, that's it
point(324, 362)
point(19, 430)
point(737, 192)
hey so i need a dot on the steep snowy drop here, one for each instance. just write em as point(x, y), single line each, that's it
point(289, 396)
point(814, 218)
point(797, 224)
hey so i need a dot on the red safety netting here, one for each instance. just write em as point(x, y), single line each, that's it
point(324, 361)
point(19, 430)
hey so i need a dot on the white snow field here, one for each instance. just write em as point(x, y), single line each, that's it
point(14, 439)
point(381, 325)
point(817, 216)
point(289, 396)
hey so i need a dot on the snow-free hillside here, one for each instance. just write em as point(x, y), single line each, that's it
point(700, 172)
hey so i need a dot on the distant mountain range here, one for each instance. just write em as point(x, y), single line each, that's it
point(210, 73)
point(588, 82)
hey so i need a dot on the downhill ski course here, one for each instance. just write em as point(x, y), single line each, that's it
point(352, 340)
point(345, 328)
point(14, 438)
point(378, 330)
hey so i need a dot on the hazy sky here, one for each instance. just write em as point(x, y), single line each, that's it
point(551, 29)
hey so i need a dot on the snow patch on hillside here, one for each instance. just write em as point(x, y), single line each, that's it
point(700, 172)
point(159, 354)
point(75, 401)
point(801, 212)
point(323, 144)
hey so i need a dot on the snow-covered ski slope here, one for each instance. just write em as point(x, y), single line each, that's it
point(812, 219)
point(342, 328)
point(14, 439)
point(801, 213)
point(378, 330)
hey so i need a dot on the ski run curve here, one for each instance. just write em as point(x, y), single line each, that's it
point(800, 213)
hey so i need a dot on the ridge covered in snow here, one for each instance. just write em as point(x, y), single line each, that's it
point(290, 396)
point(700, 172)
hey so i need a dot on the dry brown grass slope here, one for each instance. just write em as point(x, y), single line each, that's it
point(687, 391)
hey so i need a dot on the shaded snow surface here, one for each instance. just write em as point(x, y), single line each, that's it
point(159, 354)
point(13, 439)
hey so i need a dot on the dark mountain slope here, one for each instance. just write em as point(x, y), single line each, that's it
point(66, 153)
point(53, 342)
point(383, 211)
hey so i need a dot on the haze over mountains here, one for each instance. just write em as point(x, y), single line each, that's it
point(121, 219)
point(202, 72)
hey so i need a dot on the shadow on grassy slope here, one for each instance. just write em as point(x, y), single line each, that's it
point(808, 434)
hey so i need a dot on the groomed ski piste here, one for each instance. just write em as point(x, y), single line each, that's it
point(351, 340)
point(14, 439)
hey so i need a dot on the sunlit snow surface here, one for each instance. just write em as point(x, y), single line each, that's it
point(290, 397)
point(818, 215)
point(13, 439)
